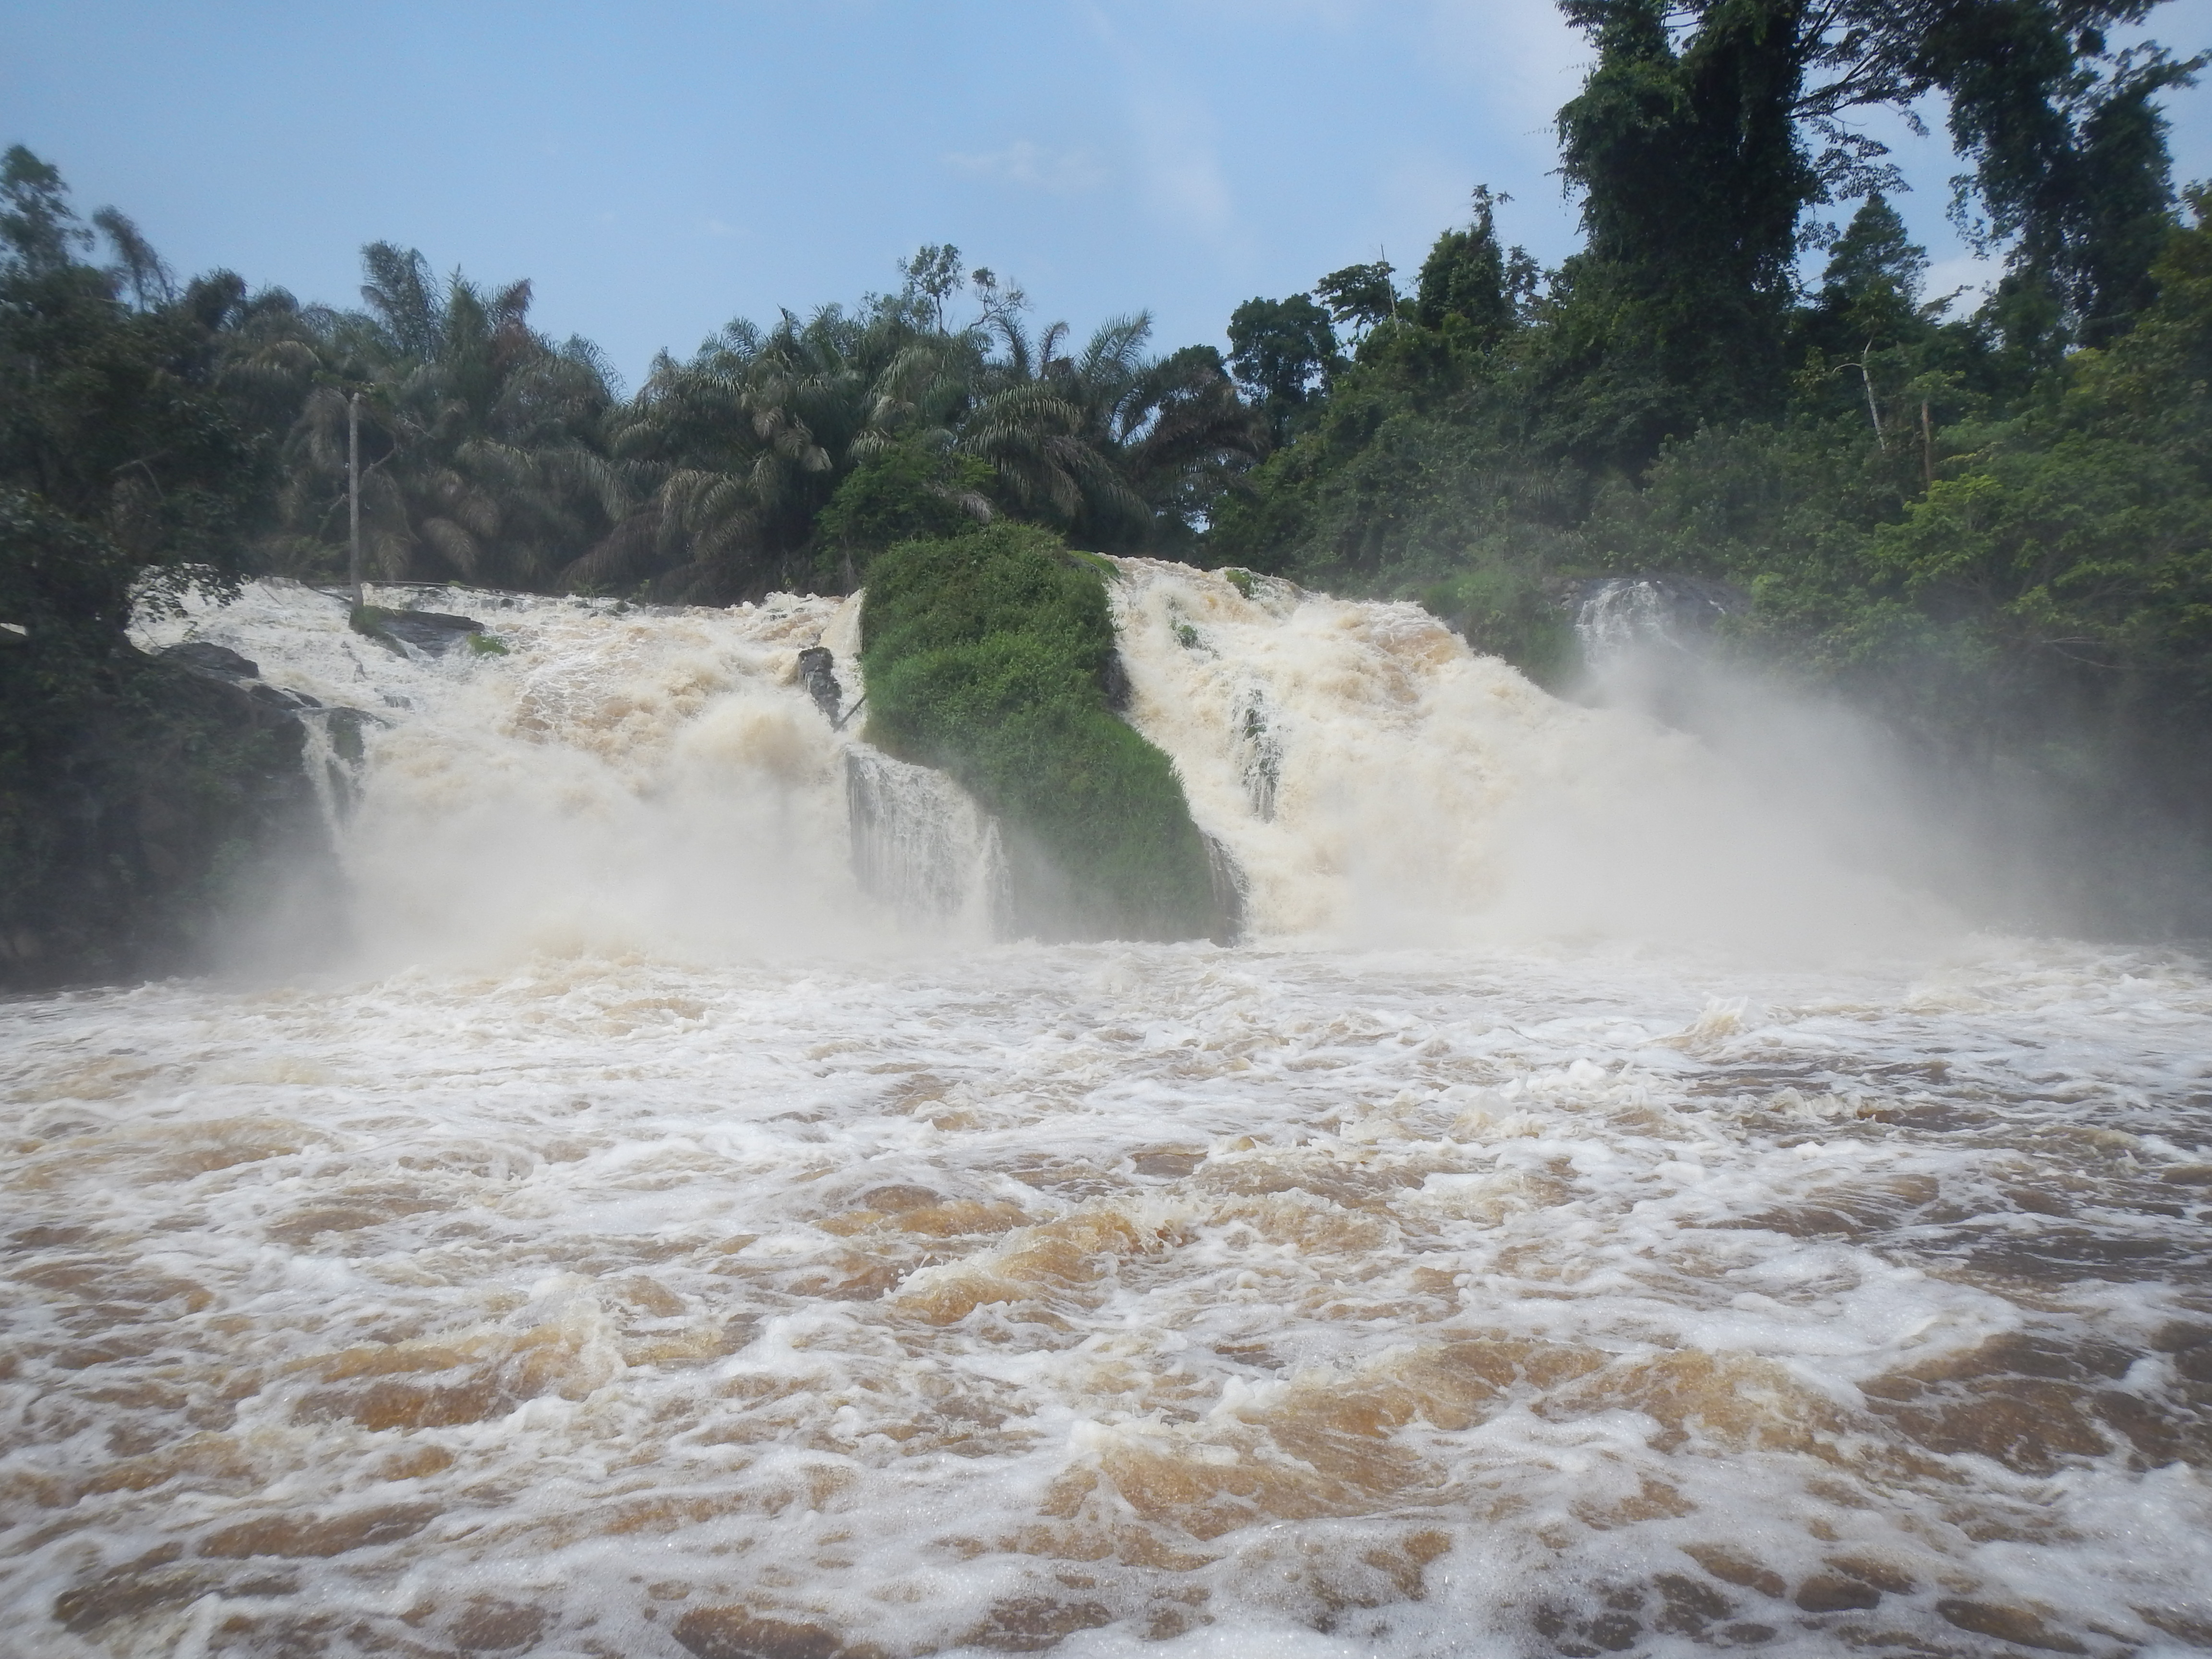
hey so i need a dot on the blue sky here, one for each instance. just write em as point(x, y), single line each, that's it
point(660, 167)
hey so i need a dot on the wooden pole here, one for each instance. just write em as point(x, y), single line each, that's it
point(353, 495)
point(1874, 409)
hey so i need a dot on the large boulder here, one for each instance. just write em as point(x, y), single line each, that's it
point(160, 821)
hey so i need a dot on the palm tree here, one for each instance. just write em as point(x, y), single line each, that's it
point(731, 457)
point(1103, 442)
point(734, 453)
point(482, 438)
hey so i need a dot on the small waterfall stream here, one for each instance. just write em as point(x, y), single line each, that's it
point(921, 844)
point(1619, 616)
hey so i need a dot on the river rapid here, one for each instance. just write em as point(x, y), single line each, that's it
point(1586, 1214)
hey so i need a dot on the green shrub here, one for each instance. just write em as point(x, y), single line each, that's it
point(1507, 611)
point(986, 656)
point(903, 493)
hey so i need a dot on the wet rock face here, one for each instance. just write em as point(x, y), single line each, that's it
point(434, 631)
point(817, 672)
point(1613, 614)
point(1113, 680)
point(210, 658)
point(149, 815)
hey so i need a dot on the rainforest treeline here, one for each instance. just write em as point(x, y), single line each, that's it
point(1989, 522)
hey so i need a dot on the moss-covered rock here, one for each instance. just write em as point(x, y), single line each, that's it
point(989, 655)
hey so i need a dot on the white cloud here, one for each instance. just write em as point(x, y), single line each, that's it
point(1029, 163)
point(1178, 162)
point(1526, 58)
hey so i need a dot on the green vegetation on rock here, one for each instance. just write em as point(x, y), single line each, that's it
point(987, 655)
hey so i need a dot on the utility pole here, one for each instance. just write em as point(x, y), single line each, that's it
point(353, 495)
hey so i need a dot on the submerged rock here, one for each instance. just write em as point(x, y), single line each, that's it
point(434, 631)
point(1231, 886)
point(238, 675)
point(1114, 681)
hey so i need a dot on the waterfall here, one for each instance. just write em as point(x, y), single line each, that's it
point(922, 846)
point(1369, 776)
point(594, 773)
point(1617, 617)
point(602, 776)
point(650, 1250)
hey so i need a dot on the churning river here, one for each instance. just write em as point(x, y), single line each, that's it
point(1582, 1217)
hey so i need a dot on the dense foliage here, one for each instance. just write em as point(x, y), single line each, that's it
point(777, 457)
point(1988, 527)
point(989, 654)
point(131, 795)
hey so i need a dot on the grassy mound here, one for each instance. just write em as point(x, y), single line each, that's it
point(987, 656)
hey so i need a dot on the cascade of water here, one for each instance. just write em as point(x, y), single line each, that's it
point(602, 776)
point(657, 779)
point(1369, 775)
point(1617, 617)
point(1110, 1299)
point(332, 755)
point(922, 846)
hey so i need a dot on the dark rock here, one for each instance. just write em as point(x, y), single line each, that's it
point(1113, 680)
point(1229, 884)
point(432, 631)
point(164, 817)
point(281, 698)
point(1655, 609)
point(205, 657)
point(347, 727)
point(817, 672)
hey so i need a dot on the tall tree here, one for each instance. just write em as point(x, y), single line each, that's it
point(480, 436)
point(2069, 146)
point(127, 477)
point(1282, 351)
point(1694, 178)
point(1469, 277)
point(1707, 128)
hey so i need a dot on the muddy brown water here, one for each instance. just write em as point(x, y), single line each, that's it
point(1100, 1301)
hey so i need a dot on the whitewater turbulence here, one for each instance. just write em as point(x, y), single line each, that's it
point(591, 775)
point(1378, 781)
point(1568, 1225)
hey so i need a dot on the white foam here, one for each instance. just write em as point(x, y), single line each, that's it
point(1379, 782)
point(632, 1199)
